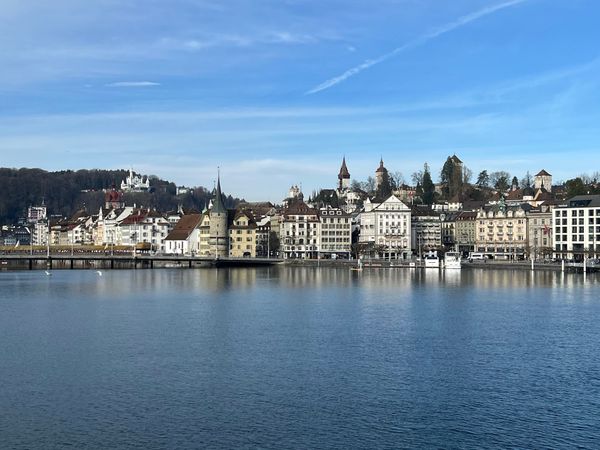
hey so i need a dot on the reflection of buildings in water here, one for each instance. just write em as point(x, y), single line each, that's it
point(451, 277)
point(432, 276)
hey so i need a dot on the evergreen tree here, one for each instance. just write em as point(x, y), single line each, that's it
point(428, 186)
point(483, 179)
point(384, 190)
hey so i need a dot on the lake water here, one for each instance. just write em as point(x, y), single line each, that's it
point(280, 358)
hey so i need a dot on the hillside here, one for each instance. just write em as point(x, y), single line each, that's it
point(67, 191)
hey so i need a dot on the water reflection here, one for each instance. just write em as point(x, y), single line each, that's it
point(299, 357)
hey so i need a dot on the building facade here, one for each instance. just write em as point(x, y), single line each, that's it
point(576, 228)
point(299, 231)
point(242, 235)
point(539, 224)
point(335, 240)
point(385, 227)
point(502, 231)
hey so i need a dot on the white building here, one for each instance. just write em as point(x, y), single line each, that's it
point(386, 225)
point(106, 228)
point(39, 233)
point(576, 228)
point(184, 239)
point(299, 231)
point(135, 183)
point(335, 233)
point(144, 227)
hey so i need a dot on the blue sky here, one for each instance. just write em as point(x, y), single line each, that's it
point(275, 92)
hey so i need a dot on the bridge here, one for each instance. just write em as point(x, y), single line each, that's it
point(102, 260)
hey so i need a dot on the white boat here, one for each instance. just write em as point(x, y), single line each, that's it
point(432, 261)
point(452, 260)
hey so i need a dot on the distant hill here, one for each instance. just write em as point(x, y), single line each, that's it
point(67, 191)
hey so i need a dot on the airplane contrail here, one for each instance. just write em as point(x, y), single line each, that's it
point(461, 21)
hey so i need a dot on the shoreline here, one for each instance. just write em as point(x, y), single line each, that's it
point(17, 265)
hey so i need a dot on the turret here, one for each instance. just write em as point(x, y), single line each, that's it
point(343, 176)
point(219, 233)
point(380, 174)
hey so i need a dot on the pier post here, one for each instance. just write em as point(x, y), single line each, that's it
point(72, 262)
point(152, 264)
point(190, 264)
point(562, 266)
point(30, 264)
point(112, 263)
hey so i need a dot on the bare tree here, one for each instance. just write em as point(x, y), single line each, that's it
point(417, 177)
point(467, 175)
point(396, 179)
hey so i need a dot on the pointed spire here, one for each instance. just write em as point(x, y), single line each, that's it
point(218, 205)
point(344, 173)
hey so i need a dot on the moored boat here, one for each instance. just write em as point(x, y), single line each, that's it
point(432, 261)
point(452, 260)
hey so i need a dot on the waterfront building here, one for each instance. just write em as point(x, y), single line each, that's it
point(214, 227)
point(204, 235)
point(106, 228)
point(464, 232)
point(448, 230)
point(426, 229)
point(218, 225)
point(335, 233)
point(299, 231)
point(264, 241)
point(502, 231)
point(184, 238)
point(242, 235)
point(576, 228)
point(539, 224)
point(385, 228)
point(152, 228)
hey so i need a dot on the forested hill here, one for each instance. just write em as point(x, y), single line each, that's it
point(67, 191)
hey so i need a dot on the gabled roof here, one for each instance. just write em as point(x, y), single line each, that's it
point(543, 173)
point(184, 228)
point(456, 159)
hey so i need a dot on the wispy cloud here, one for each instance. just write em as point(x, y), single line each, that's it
point(132, 84)
point(460, 22)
